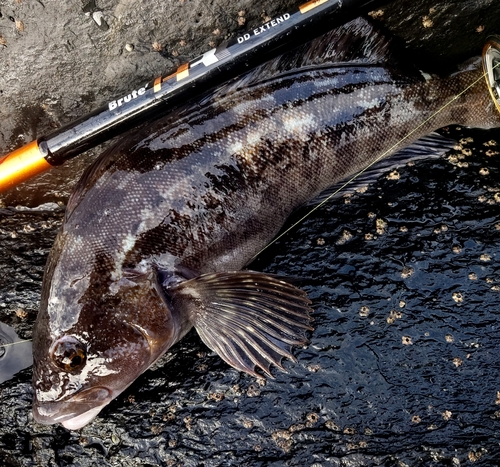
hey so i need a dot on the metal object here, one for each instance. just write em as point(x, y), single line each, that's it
point(491, 66)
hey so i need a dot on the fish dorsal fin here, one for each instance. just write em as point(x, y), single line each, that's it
point(250, 319)
point(356, 42)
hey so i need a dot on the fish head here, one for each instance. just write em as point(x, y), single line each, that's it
point(95, 333)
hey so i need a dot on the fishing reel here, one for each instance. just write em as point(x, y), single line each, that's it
point(491, 66)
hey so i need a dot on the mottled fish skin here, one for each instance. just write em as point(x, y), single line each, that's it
point(163, 221)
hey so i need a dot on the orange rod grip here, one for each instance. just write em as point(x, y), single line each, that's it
point(22, 164)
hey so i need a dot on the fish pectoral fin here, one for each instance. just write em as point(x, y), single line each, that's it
point(250, 319)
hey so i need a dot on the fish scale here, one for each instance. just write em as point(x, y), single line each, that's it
point(160, 227)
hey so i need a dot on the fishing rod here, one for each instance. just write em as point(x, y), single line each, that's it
point(157, 97)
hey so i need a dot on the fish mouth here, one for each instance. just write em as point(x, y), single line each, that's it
point(75, 412)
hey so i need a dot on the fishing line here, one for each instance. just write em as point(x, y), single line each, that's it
point(380, 157)
point(14, 343)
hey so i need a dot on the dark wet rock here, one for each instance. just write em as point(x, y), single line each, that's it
point(441, 34)
point(402, 365)
point(402, 368)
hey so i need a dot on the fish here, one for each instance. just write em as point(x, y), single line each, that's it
point(159, 231)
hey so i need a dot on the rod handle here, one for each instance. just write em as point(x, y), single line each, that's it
point(22, 164)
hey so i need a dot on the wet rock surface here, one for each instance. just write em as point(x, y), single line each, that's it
point(402, 365)
point(402, 368)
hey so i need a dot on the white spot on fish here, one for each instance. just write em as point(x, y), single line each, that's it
point(115, 287)
point(127, 244)
point(191, 292)
point(61, 317)
point(236, 147)
point(300, 126)
point(426, 76)
point(254, 138)
point(95, 366)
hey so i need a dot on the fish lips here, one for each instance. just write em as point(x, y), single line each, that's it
point(75, 412)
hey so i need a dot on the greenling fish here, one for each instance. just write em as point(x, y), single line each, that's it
point(159, 230)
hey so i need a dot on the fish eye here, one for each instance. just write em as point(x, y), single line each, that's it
point(69, 354)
